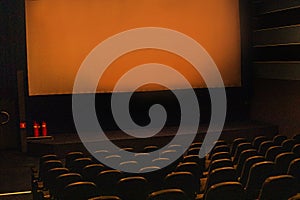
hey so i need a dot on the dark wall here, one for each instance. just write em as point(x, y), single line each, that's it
point(276, 64)
point(12, 58)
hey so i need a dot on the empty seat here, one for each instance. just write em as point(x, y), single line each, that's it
point(101, 154)
point(168, 194)
point(225, 190)
point(107, 181)
point(133, 188)
point(278, 139)
point(296, 149)
point(129, 166)
point(155, 176)
point(192, 167)
point(241, 147)
point(89, 172)
point(264, 146)
point(297, 138)
point(79, 164)
point(258, 140)
point(176, 147)
point(220, 143)
point(278, 188)
point(288, 144)
point(235, 143)
point(225, 174)
point(71, 156)
point(259, 172)
point(184, 181)
point(220, 155)
point(283, 160)
point(148, 149)
point(196, 159)
point(294, 170)
point(47, 165)
point(113, 160)
point(80, 191)
point(219, 164)
point(143, 159)
point(105, 198)
point(196, 144)
point(194, 151)
point(51, 175)
point(160, 162)
point(247, 166)
point(273, 151)
point(63, 180)
point(217, 149)
point(47, 157)
point(243, 157)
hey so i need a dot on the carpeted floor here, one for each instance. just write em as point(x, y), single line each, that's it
point(15, 174)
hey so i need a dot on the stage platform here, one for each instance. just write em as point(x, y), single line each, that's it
point(60, 144)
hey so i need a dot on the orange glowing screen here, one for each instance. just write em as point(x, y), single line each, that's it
point(61, 33)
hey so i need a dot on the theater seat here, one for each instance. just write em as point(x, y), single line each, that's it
point(168, 194)
point(259, 172)
point(105, 198)
point(278, 188)
point(185, 181)
point(80, 191)
point(226, 190)
point(133, 188)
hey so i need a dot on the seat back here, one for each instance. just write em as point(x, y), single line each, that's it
point(273, 151)
point(196, 159)
point(297, 138)
point(133, 188)
point(47, 165)
point(220, 155)
point(63, 180)
point(192, 167)
point(226, 190)
point(247, 166)
point(193, 151)
point(107, 181)
point(235, 143)
point(288, 144)
point(243, 157)
point(278, 188)
point(195, 144)
point(296, 149)
point(283, 160)
point(184, 181)
point(216, 164)
point(71, 156)
point(79, 164)
point(220, 148)
point(294, 170)
point(80, 191)
point(264, 146)
point(90, 172)
point(278, 139)
point(225, 174)
point(168, 194)
point(258, 140)
point(51, 175)
point(259, 172)
point(105, 198)
point(240, 148)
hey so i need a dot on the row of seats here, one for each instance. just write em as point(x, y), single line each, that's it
point(243, 170)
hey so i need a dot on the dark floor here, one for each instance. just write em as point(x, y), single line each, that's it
point(15, 174)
